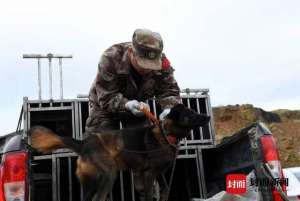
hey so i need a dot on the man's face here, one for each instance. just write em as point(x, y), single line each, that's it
point(140, 70)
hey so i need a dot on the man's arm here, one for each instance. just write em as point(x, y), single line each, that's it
point(107, 87)
point(167, 92)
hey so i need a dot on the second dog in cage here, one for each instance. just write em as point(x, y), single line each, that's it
point(148, 151)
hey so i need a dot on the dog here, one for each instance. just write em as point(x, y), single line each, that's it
point(148, 151)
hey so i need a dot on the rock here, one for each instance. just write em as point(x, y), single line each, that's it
point(284, 124)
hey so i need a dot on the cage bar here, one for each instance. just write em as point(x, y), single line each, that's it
point(50, 58)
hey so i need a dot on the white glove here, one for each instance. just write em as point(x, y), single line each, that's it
point(144, 105)
point(164, 113)
point(134, 107)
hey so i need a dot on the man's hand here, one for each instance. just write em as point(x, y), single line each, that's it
point(144, 105)
point(164, 113)
point(134, 107)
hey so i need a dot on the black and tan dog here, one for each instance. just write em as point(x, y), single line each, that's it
point(147, 151)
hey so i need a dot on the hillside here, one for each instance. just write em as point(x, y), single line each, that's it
point(284, 124)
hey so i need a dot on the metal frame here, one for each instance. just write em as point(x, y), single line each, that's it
point(50, 57)
point(197, 94)
point(70, 105)
point(56, 158)
point(189, 149)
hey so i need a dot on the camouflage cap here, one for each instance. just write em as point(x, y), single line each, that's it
point(148, 47)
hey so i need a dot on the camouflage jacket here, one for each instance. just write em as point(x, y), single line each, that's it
point(114, 85)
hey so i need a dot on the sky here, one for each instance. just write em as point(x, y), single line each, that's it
point(242, 51)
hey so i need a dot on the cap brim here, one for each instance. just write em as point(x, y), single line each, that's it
point(151, 64)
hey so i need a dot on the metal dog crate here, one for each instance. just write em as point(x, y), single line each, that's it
point(53, 175)
point(59, 116)
point(54, 179)
point(198, 100)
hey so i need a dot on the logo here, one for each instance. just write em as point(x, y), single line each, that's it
point(236, 183)
point(151, 55)
point(270, 183)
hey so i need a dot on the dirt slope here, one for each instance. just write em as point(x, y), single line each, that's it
point(284, 124)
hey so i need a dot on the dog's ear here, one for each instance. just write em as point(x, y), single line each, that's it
point(186, 117)
point(193, 120)
point(175, 112)
point(200, 120)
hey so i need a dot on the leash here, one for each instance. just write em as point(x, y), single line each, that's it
point(152, 118)
point(149, 115)
point(171, 140)
point(172, 173)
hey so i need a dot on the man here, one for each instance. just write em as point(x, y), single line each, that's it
point(129, 74)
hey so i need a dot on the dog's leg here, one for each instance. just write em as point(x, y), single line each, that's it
point(87, 174)
point(163, 187)
point(149, 178)
point(104, 185)
point(89, 188)
point(139, 185)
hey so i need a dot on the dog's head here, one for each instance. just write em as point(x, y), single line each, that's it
point(181, 120)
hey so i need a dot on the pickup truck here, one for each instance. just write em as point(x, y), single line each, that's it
point(199, 173)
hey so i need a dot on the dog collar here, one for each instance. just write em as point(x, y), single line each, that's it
point(171, 139)
point(168, 136)
point(162, 128)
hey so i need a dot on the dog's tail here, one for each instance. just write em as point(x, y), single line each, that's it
point(45, 141)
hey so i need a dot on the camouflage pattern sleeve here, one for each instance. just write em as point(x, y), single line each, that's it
point(167, 92)
point(107, 87)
